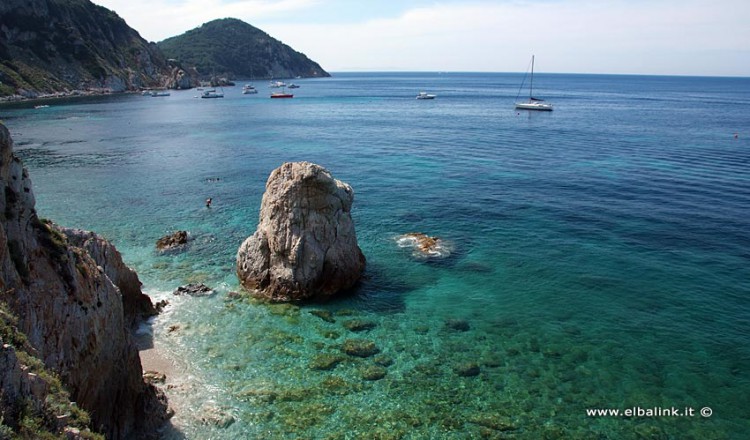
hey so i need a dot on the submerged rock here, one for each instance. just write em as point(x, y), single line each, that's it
point(359, 348)
point(325, 361)
point(373, 372)
point(325, 315)
point(213, 415)
point(459, 325)
point(383, 360)
point(425, 246)
point(467, 369)
point(358, 325)
point(173, 241)
point(305, 245)
point(194, 290)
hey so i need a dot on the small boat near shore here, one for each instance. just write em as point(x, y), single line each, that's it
point(293, 86)
point(248, 89)
point(277, 84)
point(281, 95)
point(208, 94)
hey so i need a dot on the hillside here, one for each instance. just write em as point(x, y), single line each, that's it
point(59, 46)
point(235, 49)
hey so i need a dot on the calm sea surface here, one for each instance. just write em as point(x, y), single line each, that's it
point(601, 252)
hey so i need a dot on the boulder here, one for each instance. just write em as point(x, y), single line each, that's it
point(172, 241)
point(359, 348)
point(424, 246)
point(194, 290)
point(305, 245)
point(467, 369)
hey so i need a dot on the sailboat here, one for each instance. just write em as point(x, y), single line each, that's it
point(532, 103)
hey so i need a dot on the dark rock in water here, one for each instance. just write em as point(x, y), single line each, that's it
point(325, 315)
point(373, 372)
point(305, 245)
point(159, 306)
point(359, 348)
point(325, 361)
point(172, 241)
point(467, 369)
point(154, 377)
point(425, 246)
point(194, 290)
point(233, 295)
point(383, 360)
point(460, 325)
point(357, 325)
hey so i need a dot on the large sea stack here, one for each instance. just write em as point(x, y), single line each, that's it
point(75, 302)
point(305, 245)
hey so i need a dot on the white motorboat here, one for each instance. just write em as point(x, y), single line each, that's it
point(212, 94)
point(425, 95)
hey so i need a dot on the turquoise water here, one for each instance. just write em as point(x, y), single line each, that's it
point(600, 251)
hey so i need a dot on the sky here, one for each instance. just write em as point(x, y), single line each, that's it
point(657, 37)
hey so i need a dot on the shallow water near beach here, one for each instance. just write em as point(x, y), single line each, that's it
point(599, 254)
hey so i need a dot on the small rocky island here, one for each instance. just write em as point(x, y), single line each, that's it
point(305, 245)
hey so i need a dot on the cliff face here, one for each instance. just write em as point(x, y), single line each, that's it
point(234, 49)
point(73, 314)
point(49, 46)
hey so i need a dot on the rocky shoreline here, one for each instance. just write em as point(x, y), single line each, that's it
point(74, 303)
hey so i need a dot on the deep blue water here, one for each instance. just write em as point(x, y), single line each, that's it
point(601, 251)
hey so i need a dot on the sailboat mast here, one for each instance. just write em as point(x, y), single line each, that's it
point(531, 85)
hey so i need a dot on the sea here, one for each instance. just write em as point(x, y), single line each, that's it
point(596, 284)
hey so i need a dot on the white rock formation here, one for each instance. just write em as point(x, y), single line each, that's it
point(305, 245)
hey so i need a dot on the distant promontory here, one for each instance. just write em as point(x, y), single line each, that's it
point(73, 47)
point(233, 49)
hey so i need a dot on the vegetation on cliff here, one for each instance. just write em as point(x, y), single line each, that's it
point(46, 412)
point(234, 49)
point(53, 46)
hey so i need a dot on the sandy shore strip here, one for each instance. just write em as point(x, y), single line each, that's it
point(152, 359)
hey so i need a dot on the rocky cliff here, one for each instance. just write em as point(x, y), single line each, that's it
point(63, 287)
point(234, 49)
point(305, 245)
point(58, 46)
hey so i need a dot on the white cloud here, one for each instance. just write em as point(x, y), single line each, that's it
point(159, 19)
point(700, 37)
point(659, 37)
